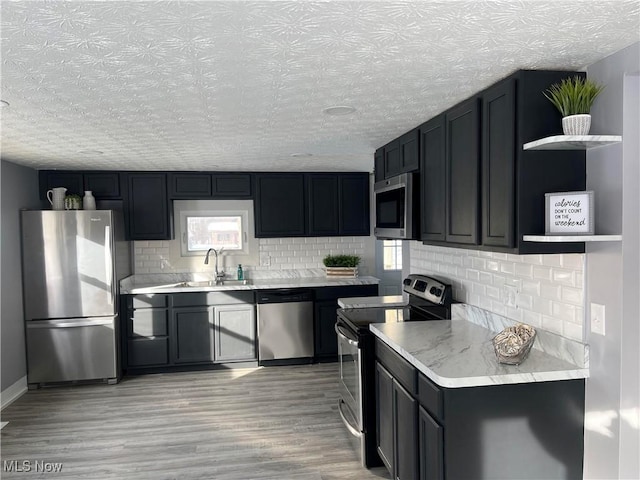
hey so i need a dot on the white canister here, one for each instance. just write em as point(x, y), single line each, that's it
point(88, 201)
point(56, 197)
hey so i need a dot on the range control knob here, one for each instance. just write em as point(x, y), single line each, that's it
point(433, 291)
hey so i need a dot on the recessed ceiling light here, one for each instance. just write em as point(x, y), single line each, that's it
point(90, 152)
point(297, 155)
point(339, 110)
point(3, 103)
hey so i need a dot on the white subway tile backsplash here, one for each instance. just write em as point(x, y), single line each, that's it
point(573, 331)
point(507, 267)
point(492, 266)
point(542, 273)
point(523, 270)
point(530, 286)
point(275, 254)
point(550, 291)
point(532, 318)
point(552, 260)
point(566, 277)
point(542, 306)
point(575, 262)
point(493, 292)
point(572, 295)
point(552, 324)
point(564, 311)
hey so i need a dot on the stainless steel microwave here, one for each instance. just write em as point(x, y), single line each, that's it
point(396, 205)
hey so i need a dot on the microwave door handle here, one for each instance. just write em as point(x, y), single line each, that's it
point(343, 334)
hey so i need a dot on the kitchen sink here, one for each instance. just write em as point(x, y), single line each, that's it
point(211, 283)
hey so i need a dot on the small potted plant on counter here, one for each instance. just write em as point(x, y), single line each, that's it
point(573, 97)
point(341, 265)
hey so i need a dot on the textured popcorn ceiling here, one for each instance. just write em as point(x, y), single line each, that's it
point(237, 85)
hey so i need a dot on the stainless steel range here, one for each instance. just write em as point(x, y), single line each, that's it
point(429, 299)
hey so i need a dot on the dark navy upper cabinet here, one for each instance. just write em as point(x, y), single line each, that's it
point(189, 185)
point(280, 205)
point(338, 204)
point(479, 188)
point(514, 181)
point(410, 151)
point(498, 165)
point(433, 179)
point(231, 185)
point(322, 193)
point(72, 181)
point(379, 164)
point(104, 185)
point(401, 155)
point(354, 204)
point(462, 173)
point(392, 159)
point(147, 207)
point(313, 204)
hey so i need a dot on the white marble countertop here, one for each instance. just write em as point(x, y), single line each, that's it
point(459, 353)
point(136, 286)
point(372, 302)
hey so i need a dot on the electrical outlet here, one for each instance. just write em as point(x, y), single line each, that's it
point(509, 294)
point(265, 261)
point(597, 318)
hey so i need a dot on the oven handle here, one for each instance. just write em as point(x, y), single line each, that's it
point(343, 334)
point(352, 430)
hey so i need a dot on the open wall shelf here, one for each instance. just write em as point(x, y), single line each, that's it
point(571, 238)
point(572, 142)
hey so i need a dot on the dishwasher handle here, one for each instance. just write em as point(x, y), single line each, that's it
point(284, 296)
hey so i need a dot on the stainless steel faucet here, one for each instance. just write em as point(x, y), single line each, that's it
point(219, 275)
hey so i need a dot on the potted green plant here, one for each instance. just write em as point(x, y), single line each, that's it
point(341, 265)
point(573, 97)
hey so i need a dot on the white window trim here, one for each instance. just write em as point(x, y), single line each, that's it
point(220, 209)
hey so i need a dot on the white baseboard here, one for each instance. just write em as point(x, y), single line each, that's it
point(14, 392)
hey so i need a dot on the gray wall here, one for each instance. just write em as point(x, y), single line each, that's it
point(612, 438)
point(19, 190)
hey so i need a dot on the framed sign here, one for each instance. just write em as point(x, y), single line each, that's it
point(569, 213)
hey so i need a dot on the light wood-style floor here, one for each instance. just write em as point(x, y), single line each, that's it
point(265, 423)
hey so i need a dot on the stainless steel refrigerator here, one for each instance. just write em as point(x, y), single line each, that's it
point(72, 262)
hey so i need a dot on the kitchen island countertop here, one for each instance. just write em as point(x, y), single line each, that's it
point(372, 302)
point(459, 353)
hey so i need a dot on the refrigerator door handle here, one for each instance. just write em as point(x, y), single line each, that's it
point(67, 323)
point(108, 262)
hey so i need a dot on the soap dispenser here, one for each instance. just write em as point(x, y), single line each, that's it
point(240, 272)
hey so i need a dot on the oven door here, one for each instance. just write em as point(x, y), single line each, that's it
point(350, 386)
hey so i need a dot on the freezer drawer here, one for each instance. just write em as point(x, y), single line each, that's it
point(71, 350)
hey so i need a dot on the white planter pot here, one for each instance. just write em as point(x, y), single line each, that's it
point(576, 124)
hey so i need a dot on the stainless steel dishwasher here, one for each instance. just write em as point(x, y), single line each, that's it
point(285, 326)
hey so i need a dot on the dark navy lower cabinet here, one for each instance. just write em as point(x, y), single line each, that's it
point(528, 430)
point(325, 306)
point(187, 330)
point(430, 447)
point(192, 335)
